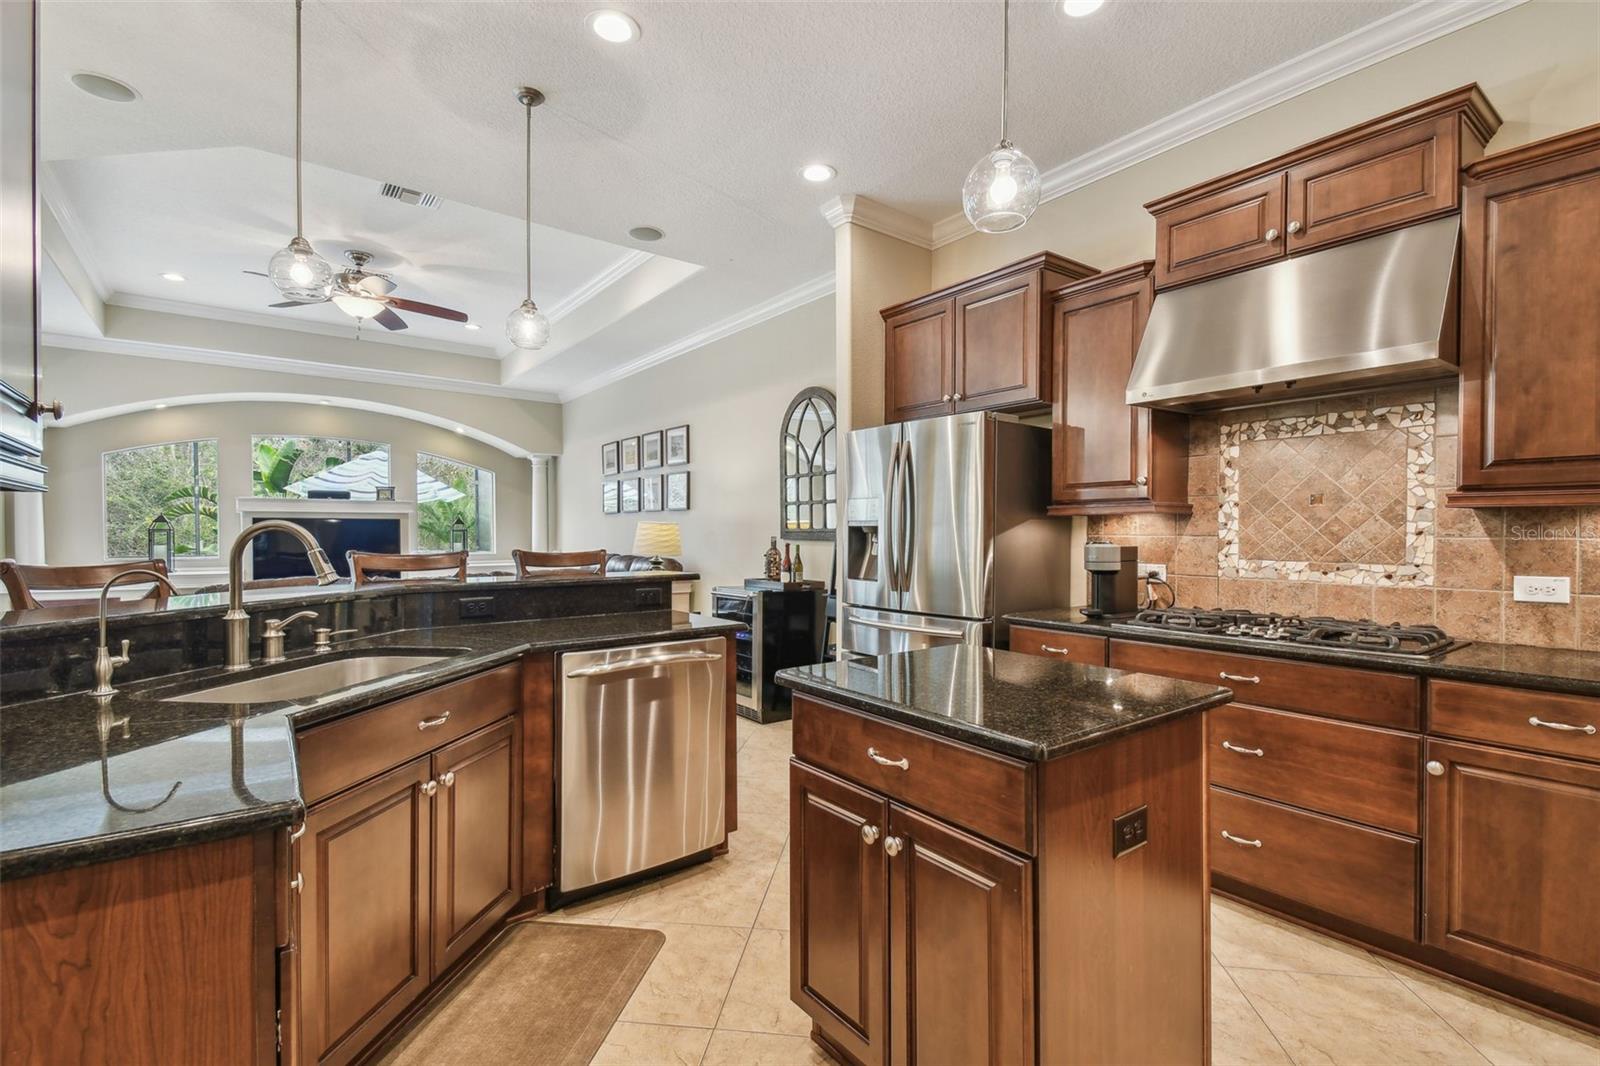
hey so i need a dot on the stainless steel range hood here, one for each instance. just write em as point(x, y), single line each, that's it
point(1375, 311)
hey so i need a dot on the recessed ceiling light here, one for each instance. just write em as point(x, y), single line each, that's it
point(98, 85)
point(645, 233)
point(613, 26)
point(817, 172)
point(473, 326)
point(171, 276)
point(1079, 8)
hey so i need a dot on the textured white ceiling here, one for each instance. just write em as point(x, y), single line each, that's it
point(698, 128)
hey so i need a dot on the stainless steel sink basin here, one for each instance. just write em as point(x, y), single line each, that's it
point(308, 681)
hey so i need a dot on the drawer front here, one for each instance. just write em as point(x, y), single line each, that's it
point(335, 756)
point(1312, 762)
point(1540, 721)
point(1391, 700)
point(1057, 645)
point(988, 794)
point(1365, 875)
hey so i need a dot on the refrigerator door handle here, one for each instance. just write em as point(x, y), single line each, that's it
point(907, 522)
point(891, 523)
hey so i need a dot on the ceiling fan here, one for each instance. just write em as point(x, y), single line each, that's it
point(363, 294)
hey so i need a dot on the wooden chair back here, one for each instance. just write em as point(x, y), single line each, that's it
point(21, 580)
point(537, 564)
point(368, 567)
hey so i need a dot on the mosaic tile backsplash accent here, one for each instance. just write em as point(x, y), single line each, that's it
point(1288, 543)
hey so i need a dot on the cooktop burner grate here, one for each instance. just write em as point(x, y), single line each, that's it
point(1352, 635)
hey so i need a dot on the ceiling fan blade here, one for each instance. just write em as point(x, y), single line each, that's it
point(389, 320)
point(426, 309)
point(295, 303)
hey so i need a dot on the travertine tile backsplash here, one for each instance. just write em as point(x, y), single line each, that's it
point(1336, 507)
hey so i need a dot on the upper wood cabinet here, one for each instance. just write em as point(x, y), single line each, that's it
point(1530, 326)
point(1397, 169)
point(981, 345)
point(1109, 457)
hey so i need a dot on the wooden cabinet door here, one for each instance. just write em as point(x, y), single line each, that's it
point(998, 362)
point(1384, 181)
point(365, 910)
point(1227, 230)
point(476, 839)
point(1530, 326)
point(918, 361)
point(839, 891)
point(1511, 864)
point(961, 975)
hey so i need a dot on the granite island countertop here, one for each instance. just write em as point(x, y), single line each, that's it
point(1575, 672)
point(83, 780)
point(1024, 706)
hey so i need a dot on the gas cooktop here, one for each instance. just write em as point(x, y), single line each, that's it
point(1364, 635)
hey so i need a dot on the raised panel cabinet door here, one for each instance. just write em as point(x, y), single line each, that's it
point(476, 838)
point(365, 911)
point(1530, 325)
point(1512, 863)
point(839, 889)
point(918, 361)
point(1401, 176)
point(1224, 231)
point(998, 362)
point(961, 974)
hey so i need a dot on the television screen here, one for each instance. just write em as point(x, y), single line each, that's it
point(281, 555)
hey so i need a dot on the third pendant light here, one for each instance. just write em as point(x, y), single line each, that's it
point(527, 327)
point(1002, 190)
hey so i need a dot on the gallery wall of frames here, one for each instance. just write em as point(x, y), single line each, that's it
point(640, 474)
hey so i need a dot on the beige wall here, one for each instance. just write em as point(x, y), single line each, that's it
point(73, 511)
point(1539, 64)
point(732, 394)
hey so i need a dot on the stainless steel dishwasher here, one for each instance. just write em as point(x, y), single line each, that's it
point(643, 757)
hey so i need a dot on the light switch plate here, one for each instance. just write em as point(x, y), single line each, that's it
point(1541, 589)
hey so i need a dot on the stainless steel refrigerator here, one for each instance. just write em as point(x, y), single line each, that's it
point(948, 533)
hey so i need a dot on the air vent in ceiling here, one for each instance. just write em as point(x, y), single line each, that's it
point(410, 196)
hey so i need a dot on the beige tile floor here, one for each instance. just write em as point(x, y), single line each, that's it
point(718, 993)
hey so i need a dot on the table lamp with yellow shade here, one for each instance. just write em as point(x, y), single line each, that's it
point(657, 539)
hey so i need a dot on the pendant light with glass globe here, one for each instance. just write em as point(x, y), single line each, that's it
point(527, 327)
point(1002, 190)
point(297, 270)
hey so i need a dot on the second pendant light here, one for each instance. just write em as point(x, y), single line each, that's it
point(526, 327)
point(1002, 190)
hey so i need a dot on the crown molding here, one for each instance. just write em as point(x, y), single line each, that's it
point(279, 365)
point(53, 198)
point(881, 218)
point(784, 302)
point(1406, 29)
point(627, 264)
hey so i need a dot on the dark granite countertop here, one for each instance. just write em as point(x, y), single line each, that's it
point(1019, 705)
point(83, 781)
point(1576, 672)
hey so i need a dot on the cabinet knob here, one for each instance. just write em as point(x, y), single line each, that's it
point(1271, 235)
point(1435, 768)
point(1294, 227)
point(956, 397)
point(430, 787)
point(1141, 480)
point(892, 845)
point(53, 409)
point(448, 778)
point(869, 835)
point(947, 397)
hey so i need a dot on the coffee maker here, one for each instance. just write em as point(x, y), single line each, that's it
point(1113, 579)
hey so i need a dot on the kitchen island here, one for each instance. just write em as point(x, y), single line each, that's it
point(999, 858)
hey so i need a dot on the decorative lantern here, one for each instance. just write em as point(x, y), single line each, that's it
point(158, 538)
point(458, 534)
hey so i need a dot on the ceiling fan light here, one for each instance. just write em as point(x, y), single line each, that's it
point(300, 273)
point(357, 306)
point(527, 328)
point(1002, 190)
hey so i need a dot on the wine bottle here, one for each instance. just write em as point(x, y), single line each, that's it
point(788, 567)
point(773, 567)
point(799, 567)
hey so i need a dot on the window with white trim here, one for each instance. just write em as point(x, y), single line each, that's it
point(178, 480)
point(448, 489)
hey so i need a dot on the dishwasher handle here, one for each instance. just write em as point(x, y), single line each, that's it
point(644, 662)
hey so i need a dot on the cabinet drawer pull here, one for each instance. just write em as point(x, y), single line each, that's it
point(892, 846)
point(1249, 679)
point(903, 763)
point(1055, 651)
point(299, 882)
point(1257, 752)
point(1240, 840)
point(869, 835)
point(433, 723)
point(430, 787)
point(1561, 726)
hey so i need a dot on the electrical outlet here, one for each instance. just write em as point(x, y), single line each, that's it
point(1541, 589)
point(1130, 831)
point(647, 597)
point(1155, 570)
point(477, 607)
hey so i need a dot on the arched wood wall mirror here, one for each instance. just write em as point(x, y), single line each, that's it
point(808, 481)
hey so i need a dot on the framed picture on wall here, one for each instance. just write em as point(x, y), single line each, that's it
point(650, 493)
point(630, 495)
point(609, 454)
point(651, 444)
point(630, 454)
point(677, 445)
point(678, 491)
point(608, 498)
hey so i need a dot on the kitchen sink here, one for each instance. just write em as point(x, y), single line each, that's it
point(308, 681)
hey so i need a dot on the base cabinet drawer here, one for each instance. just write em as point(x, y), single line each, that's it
point(1313, 763)
point(1365, 875)
point(1073, 647)
point(1548, 722)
